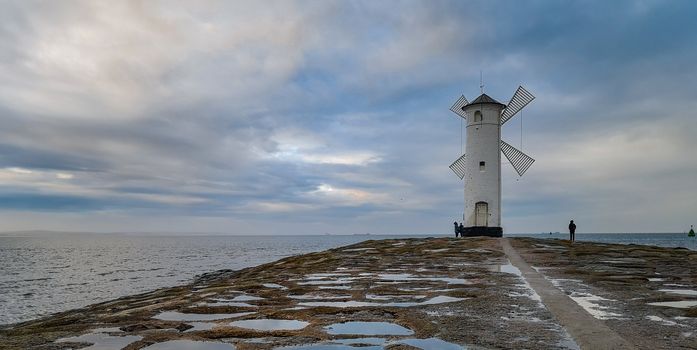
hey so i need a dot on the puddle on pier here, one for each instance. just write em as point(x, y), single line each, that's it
point(662, 320)
point(414, 289)
point(106, 330)
point(449, 280)
point(509, 268)
point(377, 344)
point(680, 291)
point(228, 304)
point(599, 307)
point(561, 282)
point(319, 282)
point(591, 303)
point(381, 297)
point(367, 328)
point(430, 343)
point(335, 287)
point(102, 341)
point(513, 270)
point(390, 297)
point(330, 347)
point(357, 249)
point(258, 340)
point(682, 304)
point(545, 246)
point(189, 345)
point(340, 304)
point(201, 326)
point(437, 250)
point(296, 308)
point(320, 275)
point(479, 250)
point(318, 297)
point(180, 316)
point(360, 341)
point(274, 286)
point(271, 324)
point(407, 277)
point(238, 301)
point(441, 299)
point(243, 298)
point(624, 261)
point(567, 343)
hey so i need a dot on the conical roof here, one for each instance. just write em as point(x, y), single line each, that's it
point(483, 98)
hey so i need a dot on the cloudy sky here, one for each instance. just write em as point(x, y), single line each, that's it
point(332, 116)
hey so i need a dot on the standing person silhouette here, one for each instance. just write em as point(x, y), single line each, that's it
point(572, 231)
point(457, 231)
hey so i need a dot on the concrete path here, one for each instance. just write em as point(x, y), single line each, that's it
point(586, 330)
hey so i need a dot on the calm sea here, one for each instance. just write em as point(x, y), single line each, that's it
point(671, 240)
point(53, 273)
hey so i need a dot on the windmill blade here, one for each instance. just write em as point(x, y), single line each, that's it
point(458, 167)
point(520, 99)
point(520, 161)
point(457, 107)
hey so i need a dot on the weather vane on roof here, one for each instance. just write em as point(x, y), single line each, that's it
point(481, 82)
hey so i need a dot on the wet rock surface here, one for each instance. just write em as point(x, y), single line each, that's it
point(434, 293)
point(628, 287)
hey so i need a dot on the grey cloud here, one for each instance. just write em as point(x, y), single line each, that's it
point(175, 112)
point(12, 156)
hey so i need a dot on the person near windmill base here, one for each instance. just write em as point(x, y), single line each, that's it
point(461, 229)
point(457, 229)
point(572, 231)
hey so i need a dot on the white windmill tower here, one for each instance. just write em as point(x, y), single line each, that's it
point(481, 167)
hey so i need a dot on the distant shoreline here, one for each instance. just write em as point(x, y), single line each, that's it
point(194, 234)
point(41, 233)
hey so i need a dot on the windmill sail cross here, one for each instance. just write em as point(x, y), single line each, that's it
point(457, 106)
point(520, 161)
point(458, 167)
point(520, 99)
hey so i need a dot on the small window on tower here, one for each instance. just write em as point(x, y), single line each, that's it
point(477, 116)
point(481, 166)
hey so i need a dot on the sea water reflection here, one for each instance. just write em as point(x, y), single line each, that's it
point(52, 272)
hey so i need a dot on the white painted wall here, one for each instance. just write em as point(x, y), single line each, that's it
point(483, 144)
